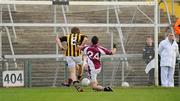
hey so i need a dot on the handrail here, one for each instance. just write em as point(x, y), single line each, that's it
point(82, 25)
point(92, 3)
point(11, 19)
point(11, 46)
point(14, 6)
point(54, 56)
point(120, 32)
point(65, 18)
point(144, 14)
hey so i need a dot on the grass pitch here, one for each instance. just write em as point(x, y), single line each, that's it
point(70, 94)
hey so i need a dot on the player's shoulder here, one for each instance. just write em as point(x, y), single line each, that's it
point(101, 47)
point(81, 34)
point(63, 37)
point(86, 47)
point(91, 47)
point(66, 35)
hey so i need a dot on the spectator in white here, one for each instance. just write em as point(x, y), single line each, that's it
point(168, 50)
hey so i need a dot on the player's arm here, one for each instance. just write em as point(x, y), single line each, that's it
point(107, 51)
point(60, 40)
point(82, 47)
point(83, 42)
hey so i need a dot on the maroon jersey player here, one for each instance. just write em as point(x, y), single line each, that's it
point(93, 53)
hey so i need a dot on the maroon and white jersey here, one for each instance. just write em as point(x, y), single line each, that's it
point(93, 53)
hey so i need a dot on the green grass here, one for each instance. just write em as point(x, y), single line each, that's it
point(70, 94)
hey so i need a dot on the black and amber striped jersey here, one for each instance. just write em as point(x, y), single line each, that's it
point(72, 41)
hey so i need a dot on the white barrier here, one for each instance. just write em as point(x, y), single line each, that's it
point(88, 3)
point(80, 25)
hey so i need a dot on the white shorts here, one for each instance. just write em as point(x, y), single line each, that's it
point(92, 74)
point(72, 61)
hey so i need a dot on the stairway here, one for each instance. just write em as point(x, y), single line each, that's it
point(37, 40)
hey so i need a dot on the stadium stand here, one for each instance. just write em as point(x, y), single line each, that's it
point(37, 40)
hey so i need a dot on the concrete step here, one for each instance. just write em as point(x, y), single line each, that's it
point(39, 40)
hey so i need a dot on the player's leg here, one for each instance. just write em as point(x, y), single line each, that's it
point(79, 67)
point(82, 68)
point(72, 72)
point(97, 87)
point(69, 81)
point(76, 83)
point(79, 71)
point(92, 75)
point(94, 83)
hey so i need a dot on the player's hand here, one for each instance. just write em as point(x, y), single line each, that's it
point(79, 47)
point(62, 48)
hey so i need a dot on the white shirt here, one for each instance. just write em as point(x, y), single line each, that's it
point(168, 53)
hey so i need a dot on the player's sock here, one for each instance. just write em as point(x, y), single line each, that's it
point(77, 86)
point(67, 83)
point(110, 89)
point(107, 89)
point(79, 77)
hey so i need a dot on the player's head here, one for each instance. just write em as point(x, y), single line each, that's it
point(75, 30)
point(94, 40)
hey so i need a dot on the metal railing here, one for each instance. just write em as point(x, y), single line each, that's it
point(7, 30)
point(11, 46)
point(27, 61)
point(100, 3)
point(117, 67)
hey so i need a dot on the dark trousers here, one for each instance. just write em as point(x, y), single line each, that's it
point(151, 77)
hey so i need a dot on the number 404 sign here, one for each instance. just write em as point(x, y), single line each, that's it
point(13, 78)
